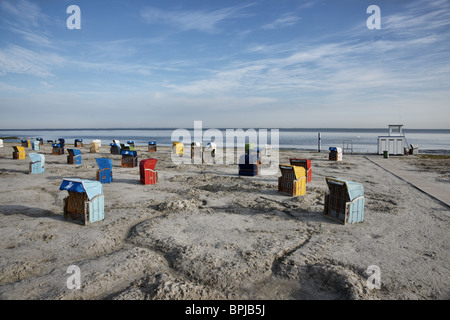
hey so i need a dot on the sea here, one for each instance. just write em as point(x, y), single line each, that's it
point(352, 140)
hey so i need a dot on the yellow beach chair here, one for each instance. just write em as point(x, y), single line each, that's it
point(292, 180)
point(18, 153)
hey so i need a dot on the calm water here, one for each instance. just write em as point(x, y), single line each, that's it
point(361, 140)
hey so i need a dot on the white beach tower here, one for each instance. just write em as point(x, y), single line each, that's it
point(394, 142)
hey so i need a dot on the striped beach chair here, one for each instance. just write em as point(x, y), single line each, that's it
point(292, 180)
point(345, 201)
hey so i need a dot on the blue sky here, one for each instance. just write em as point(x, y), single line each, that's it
point(251, 64)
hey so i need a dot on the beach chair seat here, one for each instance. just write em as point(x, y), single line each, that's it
point(196, 152)
point(248, 165)
point(129, 159)
point(177, 148)
point(78, 143)
point(104, 172)
point(19, 152)
point(152, 146)
point(74, 156)
point(85, 203)
point(305, 163)
point(292, 180)
point(147, 171)
point(335, 154)
point(345, 201)
point(37, 164)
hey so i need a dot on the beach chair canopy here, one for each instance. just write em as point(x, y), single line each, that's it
point(195, 144)
point(79, 140)
point(152, 142)
point(37, 157)
point(306, 163)
point(336, 149)
point(25, 140)
point(298, 171)
point(92, 188)
point(104, 163)
point(18, 149)
point(39, 139)
point(148, 164)
point(74, 152)
point(130, 141)
point(353, 189)
point(36, 143)
point(129, 152)
point(61, 141)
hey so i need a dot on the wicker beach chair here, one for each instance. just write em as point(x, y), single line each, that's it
point(292, 180)
point(19, 152)
point(85, 202)
point(345, 201)
point(74, 156)
point(129, 159)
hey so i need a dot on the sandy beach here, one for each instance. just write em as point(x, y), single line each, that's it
point(204, 232)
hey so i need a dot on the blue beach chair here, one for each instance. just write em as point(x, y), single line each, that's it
point(104, 172)
point(74, 156)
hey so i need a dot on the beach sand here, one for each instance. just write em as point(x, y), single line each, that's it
point(203, 232)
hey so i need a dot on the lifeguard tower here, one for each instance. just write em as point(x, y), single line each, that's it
point(395, 142)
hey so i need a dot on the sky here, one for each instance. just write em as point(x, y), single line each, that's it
point(227, 63)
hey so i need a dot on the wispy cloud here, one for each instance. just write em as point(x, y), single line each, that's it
point(206, 21)
point(283, 22)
